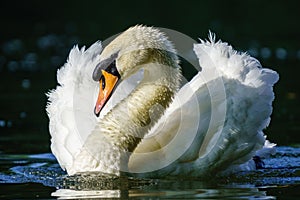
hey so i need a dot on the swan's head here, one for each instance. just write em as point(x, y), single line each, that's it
point(126, 54)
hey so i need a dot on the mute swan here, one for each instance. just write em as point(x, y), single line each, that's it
point(150, 127)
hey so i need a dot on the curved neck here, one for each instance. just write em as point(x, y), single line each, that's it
point(128, 122)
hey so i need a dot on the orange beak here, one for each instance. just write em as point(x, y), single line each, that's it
point(107, 82)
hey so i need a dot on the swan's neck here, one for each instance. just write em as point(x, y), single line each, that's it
point(127, 123)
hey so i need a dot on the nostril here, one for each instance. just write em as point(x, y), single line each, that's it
point(102, 79)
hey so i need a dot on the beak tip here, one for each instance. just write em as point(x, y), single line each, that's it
point(97, 113)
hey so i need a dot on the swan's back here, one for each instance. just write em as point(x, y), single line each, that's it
point(215, 123)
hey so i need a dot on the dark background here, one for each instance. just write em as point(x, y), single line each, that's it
point(36, 36)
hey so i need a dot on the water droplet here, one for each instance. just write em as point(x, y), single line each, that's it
point(265, 52)
point(30, 57)
point(29, 62)
point(2, 123)
point(12, 47)
point(26, 83)
point(9, 124)
point(13, 66)
point(47, 41)
point(281, 53)
point(23, 115)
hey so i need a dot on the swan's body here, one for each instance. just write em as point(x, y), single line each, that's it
point(147, 127)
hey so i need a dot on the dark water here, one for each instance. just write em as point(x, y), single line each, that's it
point(35, 39)
point(39, 176)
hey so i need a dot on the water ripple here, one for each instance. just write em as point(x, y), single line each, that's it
point(281, 172)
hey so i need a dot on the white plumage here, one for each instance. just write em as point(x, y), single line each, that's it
point(213, 125)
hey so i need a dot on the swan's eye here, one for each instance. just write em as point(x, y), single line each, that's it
point(102, 79)
point(113, 69)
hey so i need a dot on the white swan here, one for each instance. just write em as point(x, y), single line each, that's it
point(212, 125)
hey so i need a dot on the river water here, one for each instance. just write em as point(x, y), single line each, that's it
point(30, 176)
point(36, 37)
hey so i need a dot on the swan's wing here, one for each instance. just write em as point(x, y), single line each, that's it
point(249, 96)
point(67, 127)
point(164, 144)
point(216, 120)
point(71, 104)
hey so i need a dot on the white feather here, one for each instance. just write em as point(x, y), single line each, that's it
point(214, 124)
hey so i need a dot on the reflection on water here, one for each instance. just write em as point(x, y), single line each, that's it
point(168, 193)
point(39, 176)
